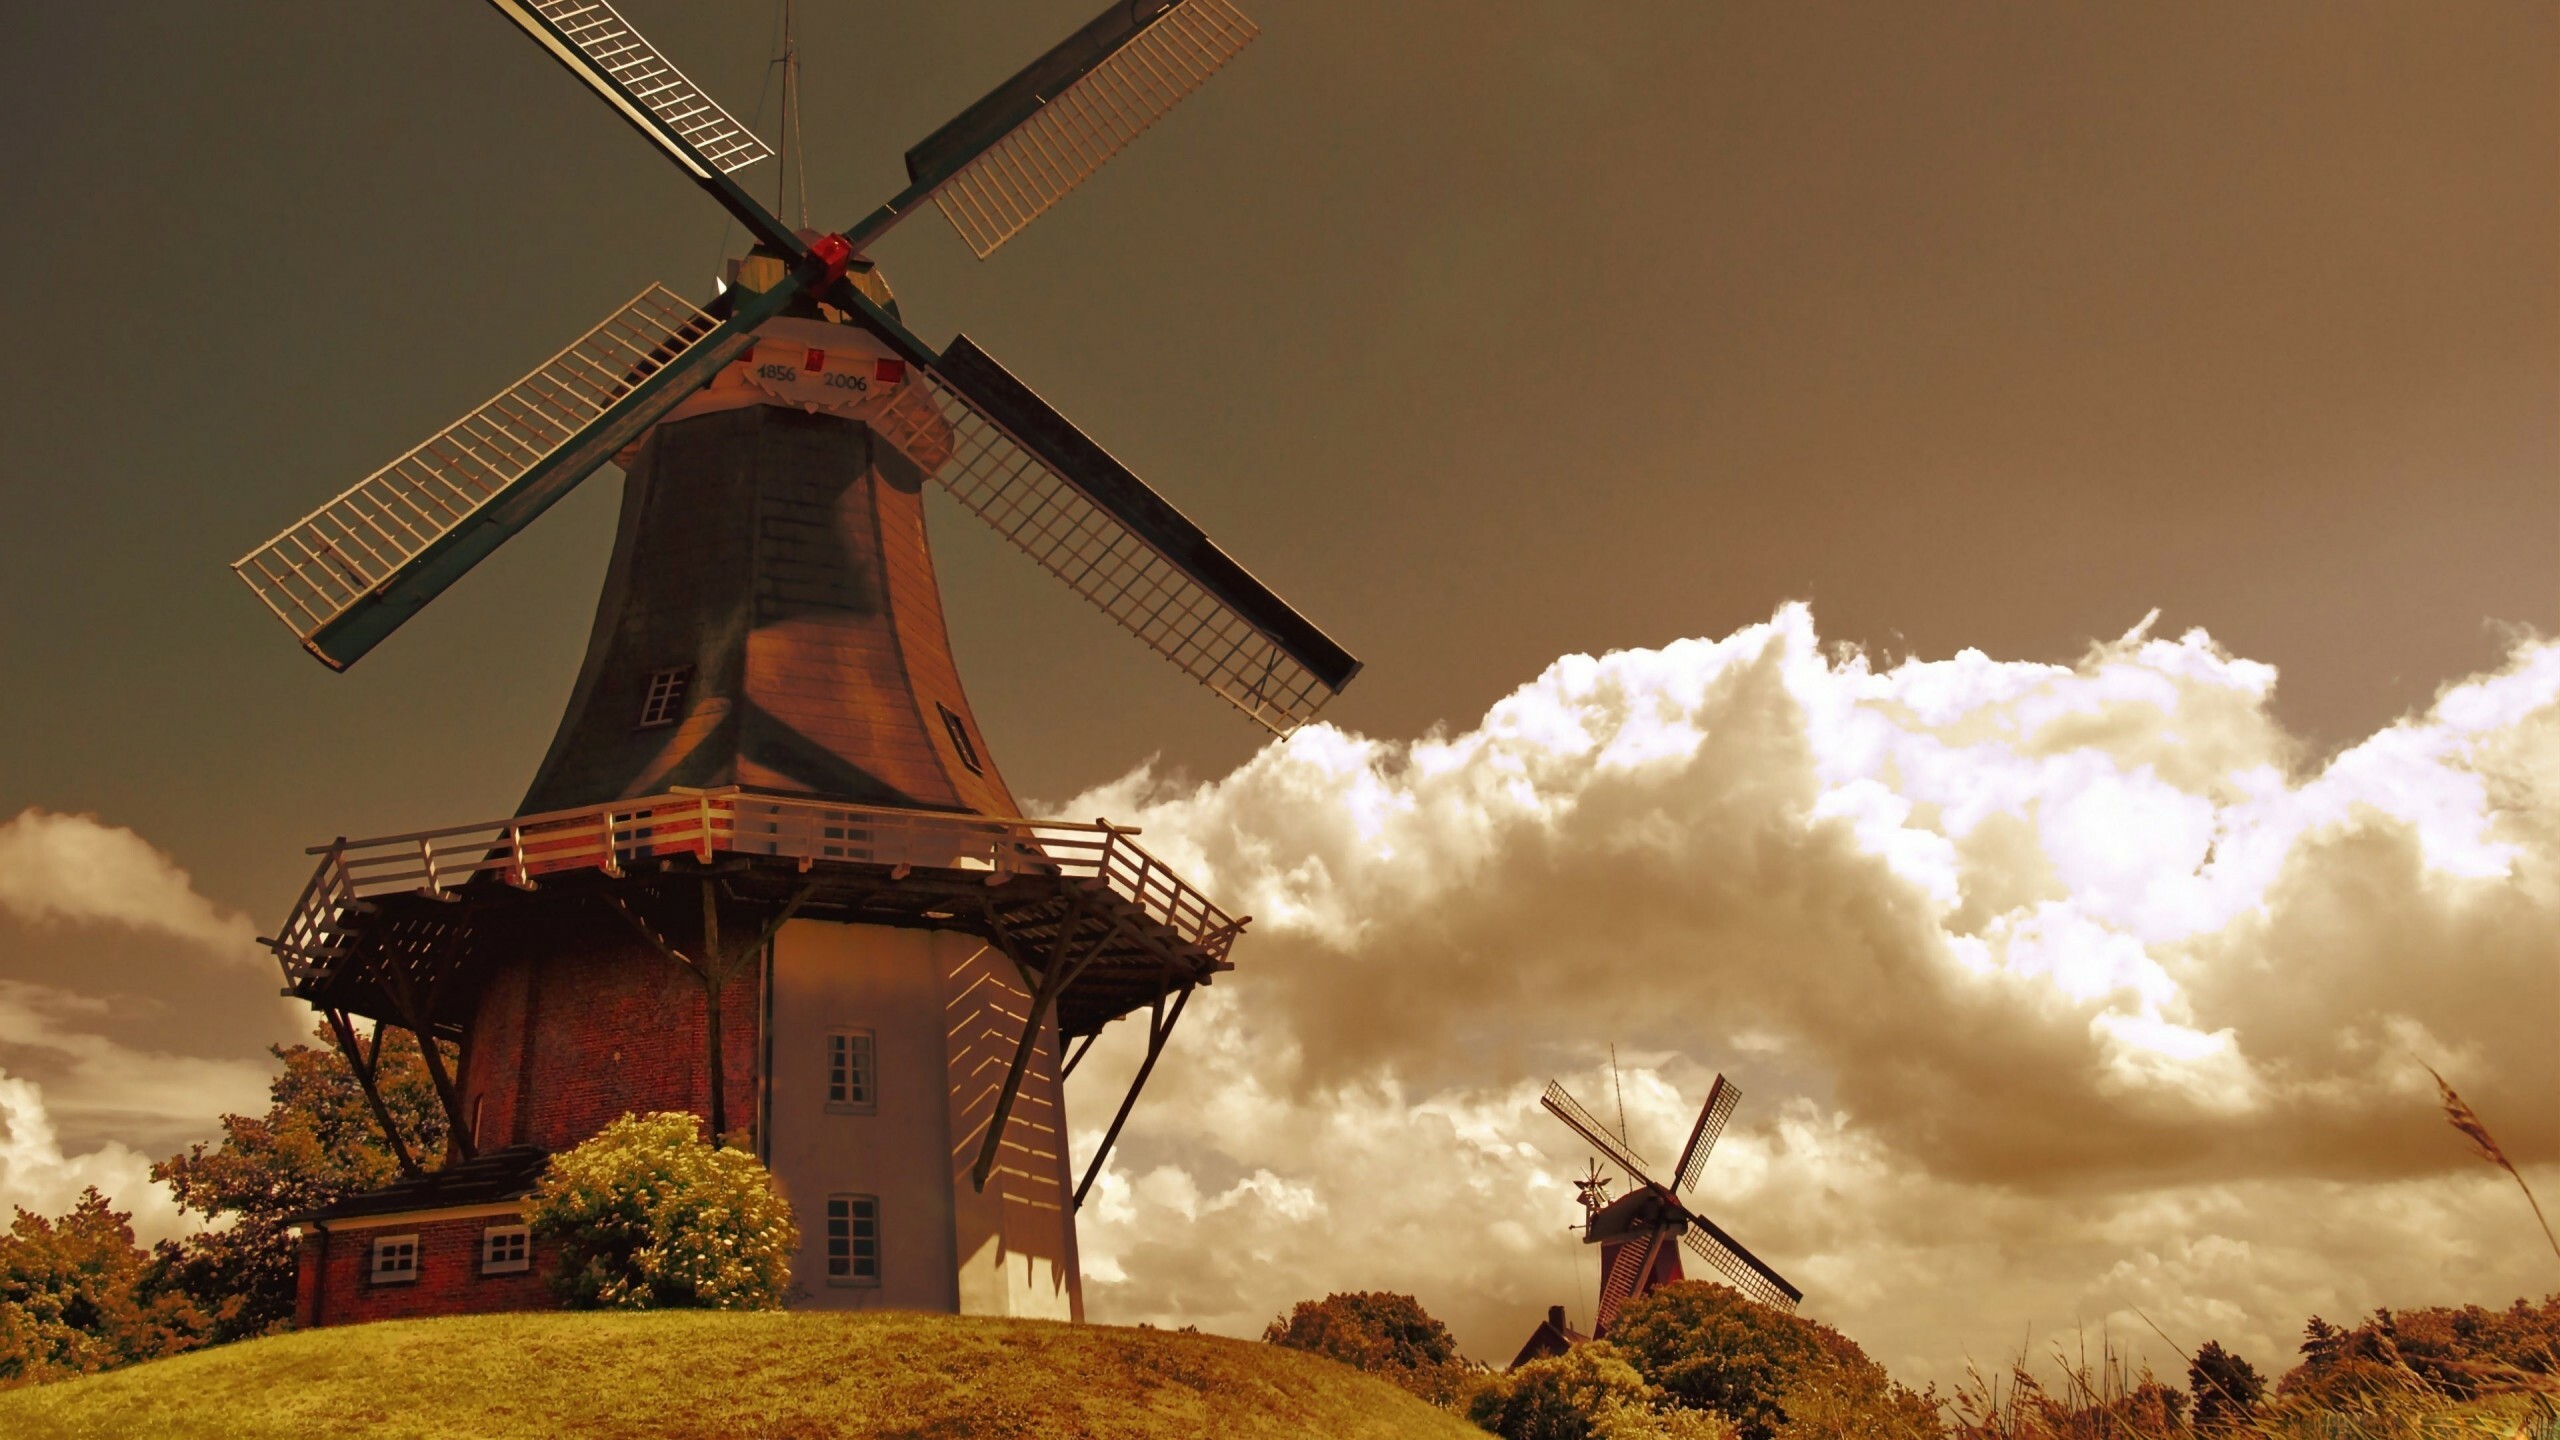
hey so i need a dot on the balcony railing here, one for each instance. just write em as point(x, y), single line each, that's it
point(706, 823)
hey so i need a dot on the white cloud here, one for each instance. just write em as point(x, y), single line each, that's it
point(35, 1175)
point(2055, 991)
point(76, 868)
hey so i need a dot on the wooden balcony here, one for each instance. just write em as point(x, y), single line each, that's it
point(410, 913)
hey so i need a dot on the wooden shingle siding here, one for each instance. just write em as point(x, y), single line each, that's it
point(815, 627)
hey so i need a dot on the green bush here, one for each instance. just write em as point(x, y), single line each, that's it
point(1589, 1392)
point(1707, 1347)
point(646, 1216)
point(1388, 1335)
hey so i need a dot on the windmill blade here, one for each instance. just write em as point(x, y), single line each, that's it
point(593, 42)
point(355, 569)
point(1005, 160)
point(1564, 1107)
point(1042, 484)
point(1721, 1098)
point(1748, 1274)
point(1631, 1265)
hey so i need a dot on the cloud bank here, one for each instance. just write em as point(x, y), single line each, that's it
point(2054, 991)
point(77, 869)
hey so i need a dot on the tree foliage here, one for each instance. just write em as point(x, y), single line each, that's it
point(318, 1142)
point(646, 1215)
point(1388, 1335)
point(2226, 1388)
point(1708, 1347)
point(2455, 1353)
point(77, 1295)
point(1589, 1392)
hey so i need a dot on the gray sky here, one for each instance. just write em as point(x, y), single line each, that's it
point(1486, 332)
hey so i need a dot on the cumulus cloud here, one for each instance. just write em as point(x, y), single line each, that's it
point(2054, 991)
point(36, 1175)
point(78, 869)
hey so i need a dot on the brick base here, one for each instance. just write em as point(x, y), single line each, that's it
point(336, 1285)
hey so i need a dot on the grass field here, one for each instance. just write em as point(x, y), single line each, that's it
point(684, 1375)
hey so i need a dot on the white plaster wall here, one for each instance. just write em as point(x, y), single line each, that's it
point(946, 1011)
point(889, 981)
point(1018, 1238)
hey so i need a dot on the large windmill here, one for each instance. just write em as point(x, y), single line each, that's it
point(1640, 1234)
point(768, 870)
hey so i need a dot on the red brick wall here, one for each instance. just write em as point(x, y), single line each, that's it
point(613, 1029)
point(449, 1282)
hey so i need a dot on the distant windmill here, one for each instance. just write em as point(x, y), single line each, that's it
point(1635, 1232)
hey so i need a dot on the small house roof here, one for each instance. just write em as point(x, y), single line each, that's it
point(508, 1174)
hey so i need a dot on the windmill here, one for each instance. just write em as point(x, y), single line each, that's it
point(768, 870)
point(1636, 1232)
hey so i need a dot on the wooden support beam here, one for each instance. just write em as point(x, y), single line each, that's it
point(366, 1069)
point(418, 1016)
point(1078, 1058)
point(713, 972)
point(1159, 1030)
point(1058, 976)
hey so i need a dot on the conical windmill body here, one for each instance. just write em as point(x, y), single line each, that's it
point(769, 871)
point(1641, 1233)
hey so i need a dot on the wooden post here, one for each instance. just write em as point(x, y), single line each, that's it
point(366, 1072)
point(1159, 1030)
point(1052, 982)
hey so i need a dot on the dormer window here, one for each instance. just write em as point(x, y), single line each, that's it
point(959, 732)
point(664, 704)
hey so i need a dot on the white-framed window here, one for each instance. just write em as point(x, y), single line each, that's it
point(853, 1240)
point(395, 1259)
point(664, 704)
point(853, 1070)
point(506, 1250)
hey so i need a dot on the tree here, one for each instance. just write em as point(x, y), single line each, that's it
point(647, 1216)
point(1388, 1335)
point(319, 1142)
point(1589, 1392)
point(78, 1296)
point(2226, 1388)
point(1709, 1348)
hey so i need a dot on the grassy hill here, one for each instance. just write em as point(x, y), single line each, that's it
point(683, 1375)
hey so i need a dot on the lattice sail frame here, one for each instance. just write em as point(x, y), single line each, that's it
point(1560, 1103)
point(1738, 1265)
point(322, 565)
point(620, 51)
point(1046, 516)
point(992, 198)
point(1711, 1121)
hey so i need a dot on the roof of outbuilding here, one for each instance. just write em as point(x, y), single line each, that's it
point(508, 1174)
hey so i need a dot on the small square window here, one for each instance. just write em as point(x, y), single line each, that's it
point(395, 1259)
point(664, 704)
point(853, 1240)
point(505, 1250)
point(959, 732)
point(852, 1072)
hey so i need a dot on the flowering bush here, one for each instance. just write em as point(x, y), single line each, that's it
point(646, 1216)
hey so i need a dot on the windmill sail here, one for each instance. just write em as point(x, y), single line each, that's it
point(354, 570)
point(1564, 1107)
point(1738, 1265)
point(1630, 1265)
point(1043, 484)
point(1005, 160)
point(1721, 1099)
point(593, 42)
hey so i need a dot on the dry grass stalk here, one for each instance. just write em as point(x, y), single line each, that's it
point(2462, 1118)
